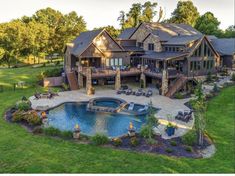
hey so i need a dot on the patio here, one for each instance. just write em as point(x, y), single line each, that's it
point(167, 106)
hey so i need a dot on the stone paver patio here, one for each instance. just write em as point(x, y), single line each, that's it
point(167, 106)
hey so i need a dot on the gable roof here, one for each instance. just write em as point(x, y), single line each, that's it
point(164, 30)
point(82, 42)
point(126, 33)
point(85, 39)
point(224, 46)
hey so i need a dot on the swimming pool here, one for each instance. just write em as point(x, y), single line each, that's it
point(67, 115)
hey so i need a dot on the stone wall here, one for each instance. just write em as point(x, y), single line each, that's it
point(142, 32)
point(155, 40)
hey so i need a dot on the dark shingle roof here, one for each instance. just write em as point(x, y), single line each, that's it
point(83, 41)
point(182, 40)
point(126, 33)
point(224, 46)
point(167, 30)
point(132, 48)
point(163, 55)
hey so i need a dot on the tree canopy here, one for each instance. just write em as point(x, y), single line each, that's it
point(45, 32)
point(139, 13)
point(208, 24)
point(185, 12)
point(111, 30)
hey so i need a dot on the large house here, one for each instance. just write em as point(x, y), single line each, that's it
point(168, 56)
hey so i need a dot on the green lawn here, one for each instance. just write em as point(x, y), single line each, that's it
point(22, 152)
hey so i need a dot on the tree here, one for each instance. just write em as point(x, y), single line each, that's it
point(228, 33)
point(111, 30)
point(11, 40)
point(139, 13)
point(208, 24)
point(185, 12)
point(135, 14)
point(199, 107)
point(121, 19)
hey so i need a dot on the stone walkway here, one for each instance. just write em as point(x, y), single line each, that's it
point(167, 106)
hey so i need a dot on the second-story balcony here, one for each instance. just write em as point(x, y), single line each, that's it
point(157, 73)
point(110, 71)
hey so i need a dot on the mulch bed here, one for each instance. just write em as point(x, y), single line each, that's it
point(163, 146)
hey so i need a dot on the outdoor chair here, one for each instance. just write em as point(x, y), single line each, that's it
point(184, 116)
point(149, 93)
point(139, 92)
point(128, 91)
point(37, 96)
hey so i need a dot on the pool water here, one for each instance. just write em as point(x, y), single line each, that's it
point(66, 116)
point(107, 103)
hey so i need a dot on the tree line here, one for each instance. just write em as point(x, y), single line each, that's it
point(47, 31)
point(185, 12)
point(44, 33)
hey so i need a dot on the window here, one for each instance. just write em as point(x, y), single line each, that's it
point(116, 61)
point(120, 61)
point(151, 47)
point(140, 44)
point(204, 64)
point(112, 62)
point(107, 62)
point(166, 48)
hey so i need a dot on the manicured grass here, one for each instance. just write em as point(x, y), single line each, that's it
point(22, 152)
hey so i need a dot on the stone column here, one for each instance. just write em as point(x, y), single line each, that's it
point(143, 77)
point(80, 80)
point(164, 82)
point(118, 79)
point(88, 81)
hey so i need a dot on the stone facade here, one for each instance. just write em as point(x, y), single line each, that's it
point(141, 33)
point(155, 40)
point(88, 81)
point(118, 80)
point(164, 82)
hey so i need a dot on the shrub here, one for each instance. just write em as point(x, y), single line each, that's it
point(151, 141)
point(99, 139)
point(233, 77)
point(146, 131)
point(190, 138)
point(17, 116)
point(173, 143)
point(51, 131)
point(37, 130)
point(179, 95)
point(65, 86)
point(66, 134)
point(215, 88)
point(33, 118)
point(23, 105)
point(134, 142)
point(52, 72)
point(168, 150)
point(188, 149)
point(117, 142)
point(209, 77)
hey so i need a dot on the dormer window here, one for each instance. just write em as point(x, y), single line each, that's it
point(151, 47)
point(140, 45)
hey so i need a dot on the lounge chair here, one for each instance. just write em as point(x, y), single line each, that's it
point(139, 92)
point(149, 93)
point(145, 108)
point(128, 91)
point(185, 117)
point(131, 106)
